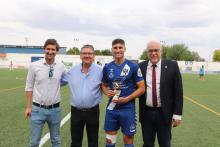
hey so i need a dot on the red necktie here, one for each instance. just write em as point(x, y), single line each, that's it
point(154, 87)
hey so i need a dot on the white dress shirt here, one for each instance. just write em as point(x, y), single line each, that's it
point(46, 90)
point(149, 99)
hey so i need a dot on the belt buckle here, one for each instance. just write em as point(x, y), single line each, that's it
point(47, 107)
point(85, 109)
point(41, 106)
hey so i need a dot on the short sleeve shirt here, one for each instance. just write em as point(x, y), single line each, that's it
point(126, 75)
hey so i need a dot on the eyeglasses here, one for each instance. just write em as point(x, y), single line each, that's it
point(153, 50)
point(117, 47)
point(51, 72)
point(87, 53)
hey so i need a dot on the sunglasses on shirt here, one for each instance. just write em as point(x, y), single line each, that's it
point(51, 72)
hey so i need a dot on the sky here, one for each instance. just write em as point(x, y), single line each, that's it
point(196, 23)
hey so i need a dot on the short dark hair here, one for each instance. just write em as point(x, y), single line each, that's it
point(118, 40)
point(87, 46)
point(51, 42)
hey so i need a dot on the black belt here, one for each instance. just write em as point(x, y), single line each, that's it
point(153, 108)
point(85, 109)
point(48, 106)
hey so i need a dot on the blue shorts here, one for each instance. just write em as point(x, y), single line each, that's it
point(124, 118)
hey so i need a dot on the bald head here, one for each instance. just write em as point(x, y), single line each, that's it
point(154, 44)
point(154, 51)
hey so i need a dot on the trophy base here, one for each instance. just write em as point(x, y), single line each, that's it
point(116, 97)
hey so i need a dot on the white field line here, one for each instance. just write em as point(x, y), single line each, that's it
point(47, 136)
point(9, 89)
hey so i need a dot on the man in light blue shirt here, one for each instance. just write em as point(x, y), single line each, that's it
point(85, 80)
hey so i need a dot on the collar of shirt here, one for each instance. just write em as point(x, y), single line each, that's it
point(45, 62)
point(122, 64)
point(158, 64)
point(90, 68)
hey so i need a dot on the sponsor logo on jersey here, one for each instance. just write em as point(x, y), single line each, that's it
point(111, 73)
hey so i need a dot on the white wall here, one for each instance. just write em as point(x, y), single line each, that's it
point(195, 66)
point(23, 61)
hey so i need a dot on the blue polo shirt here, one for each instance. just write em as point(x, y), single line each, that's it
point(126, 75)
point(85, 88)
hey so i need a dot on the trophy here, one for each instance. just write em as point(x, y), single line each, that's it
point(117, 90)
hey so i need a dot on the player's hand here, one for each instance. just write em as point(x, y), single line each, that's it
point(27, 112)
point(110, 93)
point(176, 122)
point(121, 100)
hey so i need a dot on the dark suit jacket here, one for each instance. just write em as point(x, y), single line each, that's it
point(171, 90)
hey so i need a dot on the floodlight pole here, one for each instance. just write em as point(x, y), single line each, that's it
point(26, 41)
point(75, 40)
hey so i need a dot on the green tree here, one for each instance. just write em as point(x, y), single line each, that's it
point(144, 55)
point(164, 51)
point(73, 51)
point(176, 52)
point(98, 52)
point(196, 57)
point(106, 52)
point(216, 56)
point(187, 56)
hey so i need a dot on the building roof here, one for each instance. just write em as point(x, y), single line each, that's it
point(26, 49)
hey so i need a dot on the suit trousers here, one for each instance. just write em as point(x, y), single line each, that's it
point(81, 118)
point(154, 125)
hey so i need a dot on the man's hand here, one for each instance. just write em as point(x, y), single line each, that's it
point(176, 122)
point(27, 112)
point(110, 93)
point(121, 100)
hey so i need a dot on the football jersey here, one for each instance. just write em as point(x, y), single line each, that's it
point(126, 75)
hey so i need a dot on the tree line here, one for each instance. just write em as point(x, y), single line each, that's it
point(75, 51)
point(216, 56)
point(178, 52)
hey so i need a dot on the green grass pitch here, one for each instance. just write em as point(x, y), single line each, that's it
point(200, 127)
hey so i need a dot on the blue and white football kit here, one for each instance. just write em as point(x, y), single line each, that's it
point(126, 75)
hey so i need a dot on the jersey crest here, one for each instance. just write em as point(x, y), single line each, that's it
point(125, 70)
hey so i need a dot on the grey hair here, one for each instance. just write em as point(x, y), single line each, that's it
point(87, 46)
point(155, 42)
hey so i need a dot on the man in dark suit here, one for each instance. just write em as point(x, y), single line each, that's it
point(161, 106)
